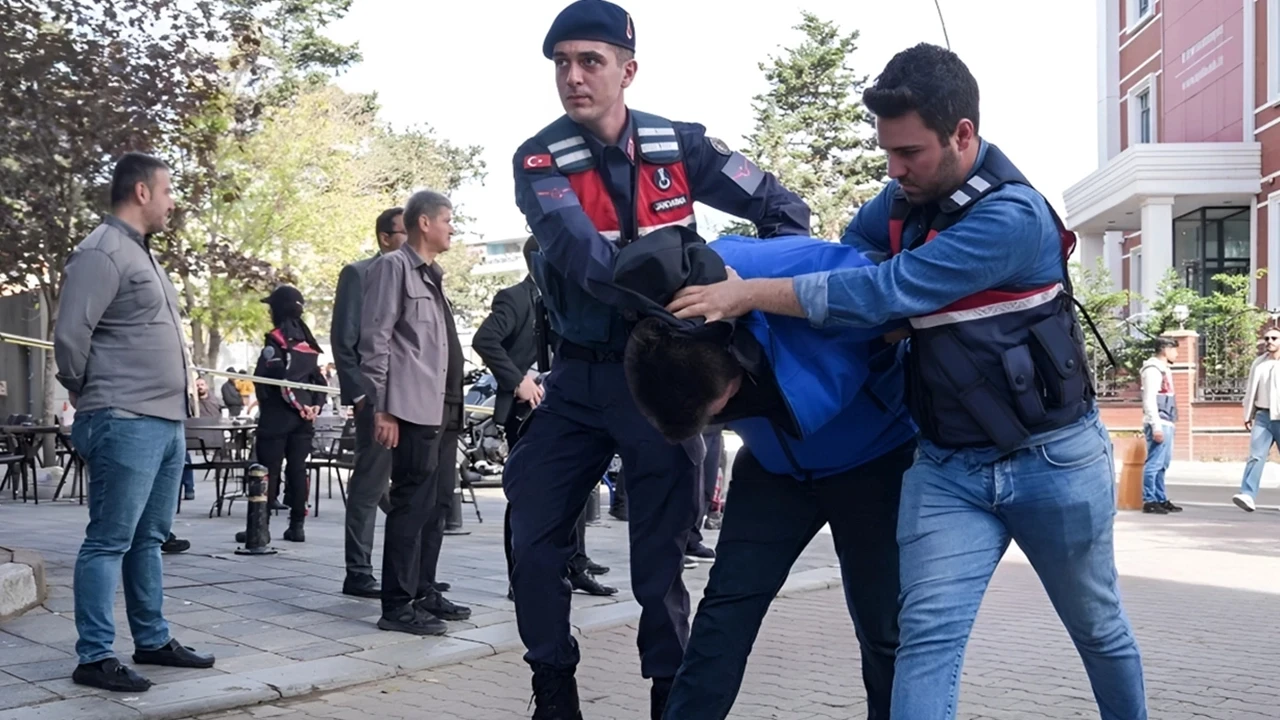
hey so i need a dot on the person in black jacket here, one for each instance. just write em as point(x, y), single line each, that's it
point(232, 400)
point(286, 416)
point(506, 341)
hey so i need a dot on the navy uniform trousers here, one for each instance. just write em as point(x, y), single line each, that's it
point(586, 415)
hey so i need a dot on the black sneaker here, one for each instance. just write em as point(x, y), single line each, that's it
point(555, 694)
point(413, 621)
point(442, 607)
point(589, 585)
point(1154, 508)
point(110, 675)
point(174, 654)
point(364, 586)
point(1168, 505)
point(701, 553)
point(175, 545)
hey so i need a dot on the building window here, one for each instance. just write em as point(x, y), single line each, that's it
point(1211, 241)
point(1143, 111)
point(1138, 12)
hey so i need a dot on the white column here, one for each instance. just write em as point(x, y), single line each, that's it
point(1113, 256)
point(1091, 250)
point(1157, 244)
point(1108, 80)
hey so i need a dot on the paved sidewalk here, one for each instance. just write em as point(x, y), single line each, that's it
point(1202, 589)
point(279, 624)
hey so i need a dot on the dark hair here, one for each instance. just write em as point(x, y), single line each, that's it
point(384, 223)
point(1164, 343)
point(674, 378)
point(132, 168)
point(530, 247)
point(931, 81)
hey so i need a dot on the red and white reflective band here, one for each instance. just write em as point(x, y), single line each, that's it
point(990, 303)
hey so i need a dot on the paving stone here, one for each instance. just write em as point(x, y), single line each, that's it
point(11, 657)
point(322, 649)
point(14, 696)
point(46, 670)
point(192, 697)
point(81, 708)
point(307, 677)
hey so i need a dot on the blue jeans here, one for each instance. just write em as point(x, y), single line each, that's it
point(188, 477)
point(960, 509)
point(1158, 456)
point(135, 467)
point(1264, 434)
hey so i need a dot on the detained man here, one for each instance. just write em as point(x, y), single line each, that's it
point(827, 439)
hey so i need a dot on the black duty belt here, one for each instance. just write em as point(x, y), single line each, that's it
point(571, 351)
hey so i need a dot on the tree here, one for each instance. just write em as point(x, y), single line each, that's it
point(1104, 306)
point(812, 131)
point(80, 83)
point(470, 293)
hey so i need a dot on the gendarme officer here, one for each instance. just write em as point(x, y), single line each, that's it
point(597, 178)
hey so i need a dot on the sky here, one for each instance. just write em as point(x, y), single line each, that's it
point(474, 72)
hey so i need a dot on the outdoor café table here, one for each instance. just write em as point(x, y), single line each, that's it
point(26, 437)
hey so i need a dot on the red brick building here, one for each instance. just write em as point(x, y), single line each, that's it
point(1188, 163)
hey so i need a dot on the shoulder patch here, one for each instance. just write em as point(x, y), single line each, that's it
point(555, 193)
point(268, 353)
point(540, 161)
point(719, 145)
point(743, 172)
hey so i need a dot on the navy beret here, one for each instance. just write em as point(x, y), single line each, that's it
point(597, 20)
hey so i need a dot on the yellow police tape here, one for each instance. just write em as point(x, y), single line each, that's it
point(46, 345)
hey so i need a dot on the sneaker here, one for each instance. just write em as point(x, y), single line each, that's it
point(690, 563)
point(1168, 505)
point(442, 607)
point(1154, 508)
point(1244, 502)
point(175, 545)
point(110, 675)
point(413, 621)
point(189, 495)
point(701, 553)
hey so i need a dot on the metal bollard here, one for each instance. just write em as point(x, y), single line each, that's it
point(593, 505)
point(257, 532)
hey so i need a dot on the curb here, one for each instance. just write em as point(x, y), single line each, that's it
point(22, 585)
point(171, 701)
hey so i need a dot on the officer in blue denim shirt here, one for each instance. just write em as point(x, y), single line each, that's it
point(1011, 444)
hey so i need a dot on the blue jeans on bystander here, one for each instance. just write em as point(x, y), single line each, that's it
point(135, 467)
point(1158, 456)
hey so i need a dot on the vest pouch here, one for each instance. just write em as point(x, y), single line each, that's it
point(1020, 372)
point(1059, 361)
point(965, 381)
point(884, 386)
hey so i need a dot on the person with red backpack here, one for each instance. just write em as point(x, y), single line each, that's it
point(286, 416)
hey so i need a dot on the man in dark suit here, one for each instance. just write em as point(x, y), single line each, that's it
point(507, 342)
point(371, 478)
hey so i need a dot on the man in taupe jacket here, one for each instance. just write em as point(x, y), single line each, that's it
point(121, 354)
point(407, 344)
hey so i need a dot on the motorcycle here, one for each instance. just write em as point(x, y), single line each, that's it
point(482, 443)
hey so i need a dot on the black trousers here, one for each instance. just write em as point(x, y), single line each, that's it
point(290, 449)
point(578, 563)
point(769, 519)
point(446, 480)
point(415, 507)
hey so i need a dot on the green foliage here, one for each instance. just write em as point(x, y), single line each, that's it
point(1229, 323)
point(1105, 306)
point(812, 130)
point(471, 294)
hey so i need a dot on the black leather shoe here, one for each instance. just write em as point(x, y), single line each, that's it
point(413, 621)
point(595, 568)
point(442, 607)
point(1154, 508)
point(701, 553)
point(295, 531)
point(658, 695)
point(589, 585)
point(110, 675)
point(364, 586)
point(175, 654)
point(618, 511)
point(442, 587)
point(1168, 505)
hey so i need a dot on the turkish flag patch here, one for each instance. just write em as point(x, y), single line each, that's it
point(537, 162)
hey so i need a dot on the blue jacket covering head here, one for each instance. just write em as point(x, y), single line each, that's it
point(844, 387)
point(840, 391)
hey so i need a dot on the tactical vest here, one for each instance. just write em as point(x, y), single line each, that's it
point(300, 363)
point(1166, 402)
point(1003, 364)
point(662, 197)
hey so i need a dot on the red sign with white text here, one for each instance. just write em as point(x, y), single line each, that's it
point(1202, 83)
